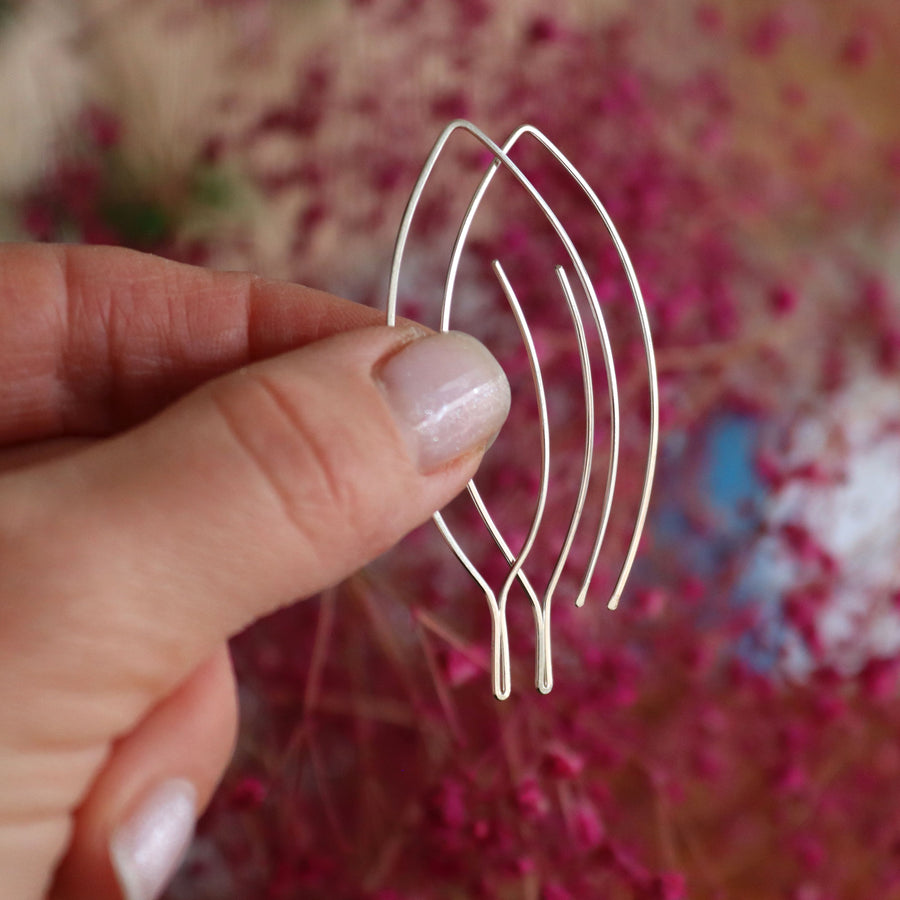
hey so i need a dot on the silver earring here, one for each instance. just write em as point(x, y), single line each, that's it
point(497, 597)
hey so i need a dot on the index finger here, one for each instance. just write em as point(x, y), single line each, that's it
point(94, 339)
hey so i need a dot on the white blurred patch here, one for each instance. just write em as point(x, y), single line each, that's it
point(41, 88)
point(852, 513)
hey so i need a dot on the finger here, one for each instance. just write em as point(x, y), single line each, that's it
point(143, 552)
point(138, 816)
point(20, 456)
point(96, 338)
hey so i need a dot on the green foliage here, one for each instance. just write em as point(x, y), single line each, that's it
point(138, 222)
point(212, 188)
point(7, 8)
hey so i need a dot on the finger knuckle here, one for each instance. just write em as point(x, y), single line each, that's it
point(298, 450)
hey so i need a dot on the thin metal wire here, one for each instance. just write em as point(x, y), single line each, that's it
point(543, 663)
point(500, 637)
point(543, 674)
point(650, 466)
point(497, 602)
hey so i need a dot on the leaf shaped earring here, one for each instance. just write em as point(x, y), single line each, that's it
point(497, 598)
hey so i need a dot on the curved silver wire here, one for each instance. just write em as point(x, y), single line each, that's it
point(500, 635)
point(497, 603)
point(650, 466)
point(543, 674)
point(542, 656)
point(502, 158)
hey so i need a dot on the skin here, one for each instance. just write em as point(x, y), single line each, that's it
point(173, 466)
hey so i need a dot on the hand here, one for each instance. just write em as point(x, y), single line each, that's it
point(182, 452)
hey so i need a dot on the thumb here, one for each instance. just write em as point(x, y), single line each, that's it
point(148, 549)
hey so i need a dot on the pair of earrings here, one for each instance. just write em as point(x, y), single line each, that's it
point(497, 596)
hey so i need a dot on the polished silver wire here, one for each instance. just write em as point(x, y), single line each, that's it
point(497, 600)
point(543, 670)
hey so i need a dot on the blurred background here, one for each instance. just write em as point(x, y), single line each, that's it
point(733, 731)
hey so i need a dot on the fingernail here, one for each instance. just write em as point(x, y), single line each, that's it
point(448, 395)
point(146, 849)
